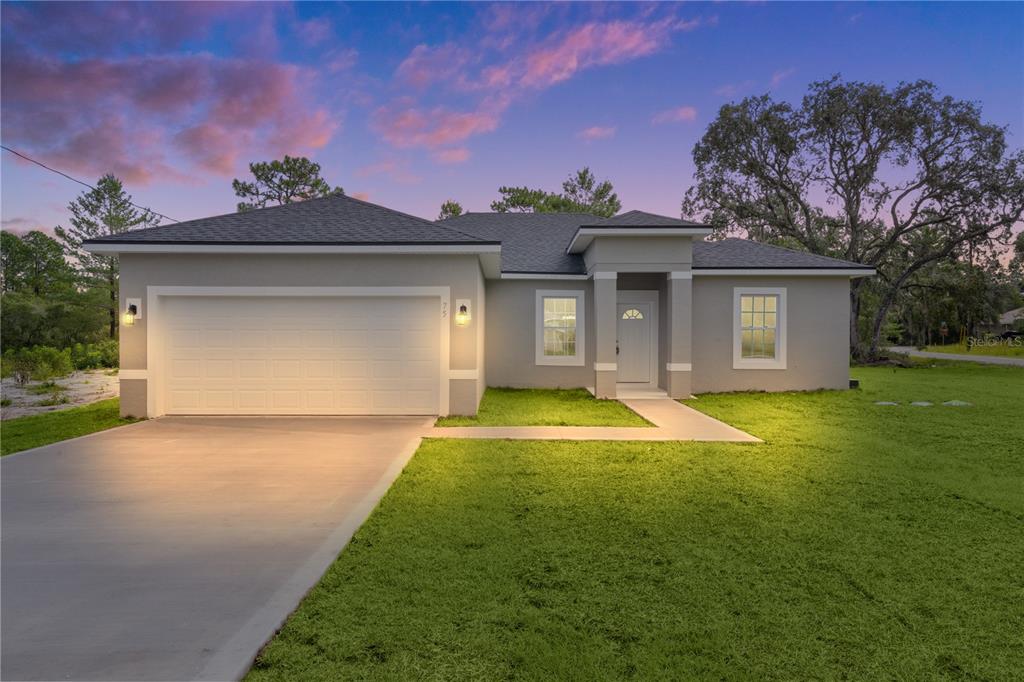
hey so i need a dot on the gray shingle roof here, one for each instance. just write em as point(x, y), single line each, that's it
point(743, 253)
point(536, 243)
point(641, 219)
point(530, 242)
point(330, 220)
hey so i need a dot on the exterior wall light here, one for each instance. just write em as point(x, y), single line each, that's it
point(128, 319)
point(462, 315)
point(132, 312)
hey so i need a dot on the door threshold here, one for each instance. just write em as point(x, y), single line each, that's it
point(640, 392)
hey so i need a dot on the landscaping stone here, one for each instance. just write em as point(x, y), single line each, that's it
point(956, 403)
point(885, 402)
point(81, 388)
point(921, 403)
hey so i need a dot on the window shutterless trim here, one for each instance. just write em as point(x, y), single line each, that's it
point(779, 361)
point(581, 326)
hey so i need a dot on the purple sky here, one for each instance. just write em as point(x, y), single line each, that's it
point(409, 105)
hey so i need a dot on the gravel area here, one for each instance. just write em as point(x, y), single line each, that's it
point(81, 387)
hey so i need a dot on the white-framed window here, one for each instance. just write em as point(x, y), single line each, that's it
point(560, 327)
point(759, 328)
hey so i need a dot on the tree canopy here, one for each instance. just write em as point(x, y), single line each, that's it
point(294, 178)
point(896, 178)
point(449, 209)
point(581, 193)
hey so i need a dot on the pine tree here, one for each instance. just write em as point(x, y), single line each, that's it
point(100, 212)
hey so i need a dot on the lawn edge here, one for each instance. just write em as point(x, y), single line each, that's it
point(73, 438)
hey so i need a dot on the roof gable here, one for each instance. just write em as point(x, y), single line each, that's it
point(641, 219)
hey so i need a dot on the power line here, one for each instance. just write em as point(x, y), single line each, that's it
point(86, 184)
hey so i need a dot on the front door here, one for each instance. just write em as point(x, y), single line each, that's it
point(634, 322)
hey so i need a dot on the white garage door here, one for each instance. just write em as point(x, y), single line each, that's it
point(314, 355)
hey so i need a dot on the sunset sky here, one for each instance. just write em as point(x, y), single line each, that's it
point(411, 104)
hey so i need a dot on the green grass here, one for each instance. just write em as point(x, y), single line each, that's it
point(546, 407)
point(858, 542)
point(1004, 349)
point(41, 429)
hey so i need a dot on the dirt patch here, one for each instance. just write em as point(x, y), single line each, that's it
point(81, 388)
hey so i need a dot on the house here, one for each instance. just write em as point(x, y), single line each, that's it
point(339, 306)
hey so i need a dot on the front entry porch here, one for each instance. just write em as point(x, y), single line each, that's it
point(643, 334)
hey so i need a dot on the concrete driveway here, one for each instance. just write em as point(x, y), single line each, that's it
point(172, 549)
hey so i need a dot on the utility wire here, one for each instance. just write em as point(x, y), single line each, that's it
point(54, 170)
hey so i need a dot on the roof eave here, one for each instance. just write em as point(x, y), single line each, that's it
point(852, 272)
point(585, 234)
point(113, 248)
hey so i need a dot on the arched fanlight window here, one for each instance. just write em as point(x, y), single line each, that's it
point(632, 314)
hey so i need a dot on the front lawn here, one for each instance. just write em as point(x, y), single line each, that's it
point(546, 407)
point(860, 541)
point(1011, 349)
point(42, 429)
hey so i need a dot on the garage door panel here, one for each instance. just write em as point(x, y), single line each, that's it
point(302, 356)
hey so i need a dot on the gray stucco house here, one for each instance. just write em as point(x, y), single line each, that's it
point(339, 306)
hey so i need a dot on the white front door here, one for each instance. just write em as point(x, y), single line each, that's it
point(634, 321)
point(293, 355)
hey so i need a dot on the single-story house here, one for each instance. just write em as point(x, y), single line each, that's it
point(340, 306)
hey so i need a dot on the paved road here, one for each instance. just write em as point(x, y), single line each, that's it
point(984, 359)
point(172, 549)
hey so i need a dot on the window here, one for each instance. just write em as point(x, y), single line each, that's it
point(759, 332)
point(632, 314)
point(560, 328)
point(758, 320)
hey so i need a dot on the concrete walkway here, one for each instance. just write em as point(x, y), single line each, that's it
point(672, 420)
point(963, 357)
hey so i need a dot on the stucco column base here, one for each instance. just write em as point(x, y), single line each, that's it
point(679, 385)
point(462, 397)
point(604, 383)
point(133, 398)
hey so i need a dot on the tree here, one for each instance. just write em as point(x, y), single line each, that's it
point(897, 179)
point(295, 178)
point(105, 210)
point(581, 193)
point(34, 263)
point(450, 209)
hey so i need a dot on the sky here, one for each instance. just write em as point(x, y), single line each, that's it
point(408, 105)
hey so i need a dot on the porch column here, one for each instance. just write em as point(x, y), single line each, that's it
point(605, 330)
point(680, 320)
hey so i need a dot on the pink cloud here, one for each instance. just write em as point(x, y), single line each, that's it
point(525, 65)
point(403, 125)
point(782, 75)
point(211, 146)
point(594, 44)
point(341, 59)
point(452, 156)
point(362, 196)
point(596, 133)
point(426, 65)
point(198, 108)
point(677, 115)
point(315, 31)
point(396, 169)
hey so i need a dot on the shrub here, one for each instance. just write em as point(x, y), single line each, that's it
point(41, 363)
point(55, 399)
point(95, 355)
point(51, 363)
